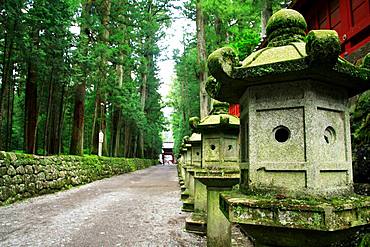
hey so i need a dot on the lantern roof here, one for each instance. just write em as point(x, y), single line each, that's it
point(290, 55)
point(195, 137)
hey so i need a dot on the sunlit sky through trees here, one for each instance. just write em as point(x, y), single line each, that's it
point(173, 40)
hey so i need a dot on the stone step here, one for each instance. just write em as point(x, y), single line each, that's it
point(185, 195)
point(183, 188)
point(197, 223)
point(188, 205)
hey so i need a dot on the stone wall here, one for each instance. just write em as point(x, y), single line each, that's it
point(23, 176)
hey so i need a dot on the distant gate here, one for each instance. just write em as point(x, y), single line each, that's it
point(167, 150)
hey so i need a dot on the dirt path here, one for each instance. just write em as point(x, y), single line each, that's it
point(136, 209)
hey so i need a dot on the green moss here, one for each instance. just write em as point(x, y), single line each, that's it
point(365, 242)
point(225, 57)
point(305, 213)
point(35, 175)
point(223, 121)
point(366, 62)
point(213, 87)
point(287, 33)
point(284, 25)
point(323, 47)
point(193, 122)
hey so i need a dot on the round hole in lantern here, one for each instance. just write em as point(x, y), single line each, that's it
point(329, 135)
point(230, 147)
point(198, 153)
point(282, 133)
point(213, 147)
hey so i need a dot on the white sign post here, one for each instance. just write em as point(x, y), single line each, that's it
point(100, 146)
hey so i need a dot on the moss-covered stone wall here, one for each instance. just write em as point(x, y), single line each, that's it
point(23, 176)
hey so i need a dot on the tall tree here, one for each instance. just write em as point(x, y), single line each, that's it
point(265, 15)
point(202, 60)
point(99, 121)
point(10, 20)
point(77, 137)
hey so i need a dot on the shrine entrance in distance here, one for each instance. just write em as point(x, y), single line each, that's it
point(167, 153)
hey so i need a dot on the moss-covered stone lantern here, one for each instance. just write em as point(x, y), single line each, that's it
point(194, 150)
point(194, 155)
point(180, 169)
point(181, 163)
point(220, 147)
point(296, 166)
point(197, 222)
point(187, 195)
point(220, 167)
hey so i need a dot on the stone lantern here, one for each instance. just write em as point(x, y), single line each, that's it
point(195, 162)
point(220, 147)
point(196, 149)
point(296, 166)
point(187, 196)
point(220, 167)
point(181, 165)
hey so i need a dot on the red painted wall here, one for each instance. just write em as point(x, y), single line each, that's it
point(350, 18)
point(234, 109)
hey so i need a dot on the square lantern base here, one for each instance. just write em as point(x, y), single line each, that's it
point(197, 223)
point(183, 188)
point(275, 221)
point(188, 205)
point(185, 194)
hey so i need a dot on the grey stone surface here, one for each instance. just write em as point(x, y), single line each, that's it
point(315, 158)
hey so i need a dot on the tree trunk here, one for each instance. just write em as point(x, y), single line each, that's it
point(61, 120)
point(115, 131)
point(220, 32)
point(100, 112)
point(135, 144)
point(117, 112)
point(143, 93)
point(46, 133)
point(6, 77)
point(97, 122)
point(10, 116)
point(55, 117)
point(265, 15)
point(31, 108)
point(202, 60)
point(77, 138)
point(127, 139)
point(144, 96)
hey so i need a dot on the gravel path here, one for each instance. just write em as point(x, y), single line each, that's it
point(136, 209)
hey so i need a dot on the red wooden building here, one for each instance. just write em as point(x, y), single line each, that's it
point(350, 18)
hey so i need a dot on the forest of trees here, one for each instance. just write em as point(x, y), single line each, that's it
point(72, 68)
point(239, 24)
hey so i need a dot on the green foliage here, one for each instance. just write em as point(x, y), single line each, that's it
point(361, 120)
point(34, 175)
point(103, 39)
point(184, 94)
point(360, 128)
point(230, 23)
